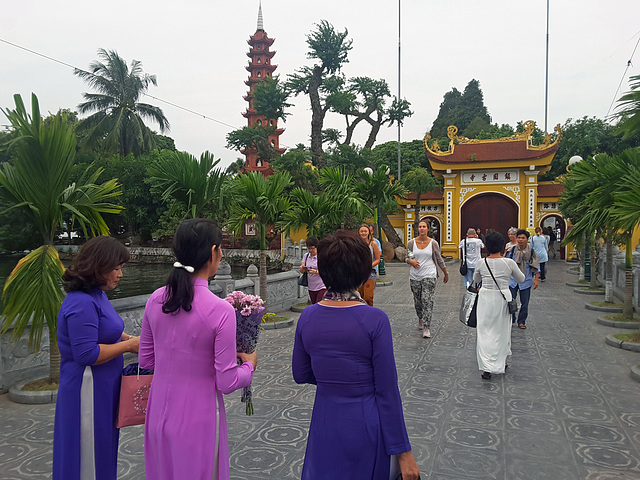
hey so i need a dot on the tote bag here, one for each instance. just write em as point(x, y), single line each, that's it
point(469, 307)
point(134, 394)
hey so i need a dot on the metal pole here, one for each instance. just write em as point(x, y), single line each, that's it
point(399, 50)
point(546, 83)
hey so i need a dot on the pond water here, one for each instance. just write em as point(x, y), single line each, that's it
point(138, 279)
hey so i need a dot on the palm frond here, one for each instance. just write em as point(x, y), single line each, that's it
point(33, 294)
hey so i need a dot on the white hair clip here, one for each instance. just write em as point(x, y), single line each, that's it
point(186, 267)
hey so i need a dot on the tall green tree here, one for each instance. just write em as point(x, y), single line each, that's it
point(418, 180)
point(366, 100)
point(586, 137)
point(262, 200)
point(412, 156)
point(117, 126)
point(461, 109)
point(330, 48)
point(253, 137)
point(270, 98)
point(38, 183)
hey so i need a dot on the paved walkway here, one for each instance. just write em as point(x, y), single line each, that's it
point(566, 409)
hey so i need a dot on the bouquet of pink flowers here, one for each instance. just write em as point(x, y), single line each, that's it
point(249, 311)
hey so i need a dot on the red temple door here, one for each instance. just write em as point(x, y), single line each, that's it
point(489, 211)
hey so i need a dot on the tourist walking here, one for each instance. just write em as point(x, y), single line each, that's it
point(91, 340)
point(511, 235)
point(552, 241)
point(189, 339)
point(470, 252)
point(367, 289)
point(310, 265)
point(493, 340)
point(423, 256)
point(345, 347)
point(525, 256)
point(540, 244)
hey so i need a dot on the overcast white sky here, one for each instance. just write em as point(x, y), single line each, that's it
point(198, 49)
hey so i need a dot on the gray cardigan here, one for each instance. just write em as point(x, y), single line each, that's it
point(436, 255)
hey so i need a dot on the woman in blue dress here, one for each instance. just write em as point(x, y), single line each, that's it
point(91, 340)
point(345, 348)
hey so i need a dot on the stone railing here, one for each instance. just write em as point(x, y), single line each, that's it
point(18, 363)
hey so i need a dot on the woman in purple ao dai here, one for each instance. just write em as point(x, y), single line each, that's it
point(189, 339)
point(345, 348)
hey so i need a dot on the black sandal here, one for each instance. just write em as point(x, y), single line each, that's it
point(486, 375)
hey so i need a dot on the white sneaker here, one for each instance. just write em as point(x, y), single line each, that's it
point(420, 325)
point(426, 333)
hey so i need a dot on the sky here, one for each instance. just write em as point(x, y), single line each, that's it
point(197, 49)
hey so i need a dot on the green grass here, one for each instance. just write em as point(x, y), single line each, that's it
point(302, 305)
point(271, 318)
point(618, 317)
point(40, 385)
point(628, 337)
point(606, 304)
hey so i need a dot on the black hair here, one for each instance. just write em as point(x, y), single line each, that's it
point(192, 245)
point(494, 242)
point(312, 242)
point(344, 261)
point(98, 256)
point(523, 232)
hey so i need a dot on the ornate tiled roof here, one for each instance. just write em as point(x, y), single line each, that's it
point(550, 190)
point(517, 147)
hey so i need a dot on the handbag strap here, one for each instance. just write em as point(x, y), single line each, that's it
point(494, 278)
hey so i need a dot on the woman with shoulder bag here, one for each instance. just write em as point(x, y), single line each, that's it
point(310, 265)
point(494, 319)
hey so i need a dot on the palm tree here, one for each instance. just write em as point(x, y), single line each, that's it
point(340, 192)
point(264, 201)
point(309, 211)
point(629, 105)
point(610, 204)
point(190, 184)
point(421, 181)
point(118, 122)
point(626, 214)
point(38, 183)
point(377, 188)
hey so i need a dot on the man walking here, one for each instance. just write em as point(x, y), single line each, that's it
point(470, 250)
point(525, 256)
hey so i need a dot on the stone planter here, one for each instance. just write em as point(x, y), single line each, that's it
point(597, 308)
point(29, 397)
point(616, 324)
point(588, 291)
point(276, 325)
point(635, 373)
point(614, 342)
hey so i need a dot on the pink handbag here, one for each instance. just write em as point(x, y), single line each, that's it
point(134, 394)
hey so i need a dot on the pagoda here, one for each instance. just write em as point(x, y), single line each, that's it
point(260, 67)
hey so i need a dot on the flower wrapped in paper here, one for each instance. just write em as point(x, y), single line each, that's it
point(249, 311)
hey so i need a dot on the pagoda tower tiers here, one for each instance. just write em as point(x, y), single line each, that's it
point(260, 67)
